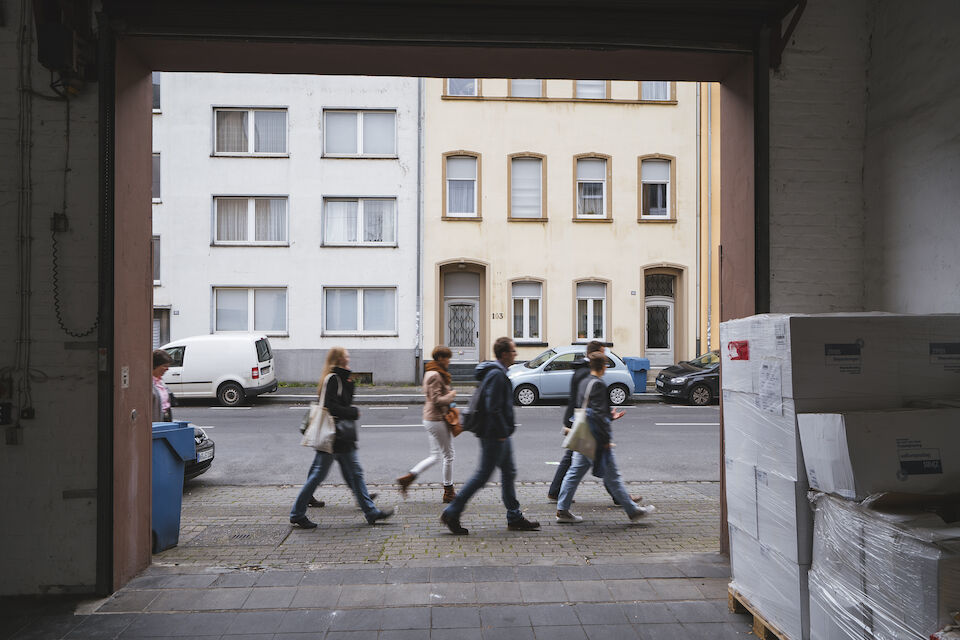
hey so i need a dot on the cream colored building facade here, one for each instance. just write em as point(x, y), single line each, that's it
point(560, 211)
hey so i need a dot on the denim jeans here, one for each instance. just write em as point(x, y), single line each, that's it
point(611, 480)
point(493, 453)
point(562, 467)
point(352, 475)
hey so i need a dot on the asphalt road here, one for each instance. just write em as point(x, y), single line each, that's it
point(260, 445)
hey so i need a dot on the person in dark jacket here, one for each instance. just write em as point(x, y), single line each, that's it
point(600, 418)
point(496, 449)
point(337, 387)
point(581, 369)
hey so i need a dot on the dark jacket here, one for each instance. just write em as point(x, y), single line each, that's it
point(337, 399)
point(581, 369)
point(497, 400)
point(599, 420)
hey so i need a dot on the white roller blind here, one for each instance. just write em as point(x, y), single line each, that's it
point(591, 169)
point(378, 309)
point(526, 289)
point(462, 86)
point(270, 310)
point(341, 132)
point(378, 133)
point(231, 309)
point(461, 168)
point(341, 309)
point(525, 188)
point(655, 91)
point(525, 88)
point(591, 290)
point(655, 171)
point(592, 89)
point(461, 285)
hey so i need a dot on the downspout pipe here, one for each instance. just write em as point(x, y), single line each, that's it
point(699, 229)
point(418, 348)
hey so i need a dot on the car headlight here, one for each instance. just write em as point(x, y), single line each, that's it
point(679, 380)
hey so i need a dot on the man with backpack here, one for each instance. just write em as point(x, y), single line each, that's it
point(491, 420)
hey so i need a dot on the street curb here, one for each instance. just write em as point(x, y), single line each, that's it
point(399, 398)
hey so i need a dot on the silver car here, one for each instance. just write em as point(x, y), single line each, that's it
point(548, 376)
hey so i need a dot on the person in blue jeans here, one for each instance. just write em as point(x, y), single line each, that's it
point(599, 417)
point(496, 450)
point(338, 396)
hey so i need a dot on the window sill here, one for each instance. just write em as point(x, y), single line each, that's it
point(658, 220)
point(271, 334)
point(157, 283)
point(249, 155)
point(521, 343)
point(355, 156)
point(250, 244)
point(157, 112)
point(576, 219)
point(360, 245)
point(556, 99)
point(157, 201)
point(512, 219)
point(462, 218)
point(586, 341)
point(355, 334)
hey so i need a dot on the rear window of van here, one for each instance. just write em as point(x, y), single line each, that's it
point(263, 350)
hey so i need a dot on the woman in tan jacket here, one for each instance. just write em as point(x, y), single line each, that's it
point(439, 395)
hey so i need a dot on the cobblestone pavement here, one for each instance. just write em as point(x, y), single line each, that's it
point(238, 527)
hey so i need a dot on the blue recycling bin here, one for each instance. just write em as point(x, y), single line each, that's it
point(172, 444)
point(638, 368)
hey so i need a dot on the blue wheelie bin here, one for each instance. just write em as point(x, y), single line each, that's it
point(638, 368)
point(172, 444)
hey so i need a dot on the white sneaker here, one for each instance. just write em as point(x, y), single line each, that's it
point(567, 517)
point(642, 511)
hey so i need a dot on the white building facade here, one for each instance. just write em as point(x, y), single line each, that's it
point(288, 205)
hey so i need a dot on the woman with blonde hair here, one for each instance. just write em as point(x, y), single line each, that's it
point(439, 395)
point(336, 386)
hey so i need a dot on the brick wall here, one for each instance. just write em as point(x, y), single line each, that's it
point(817, 123)
point(47, 502)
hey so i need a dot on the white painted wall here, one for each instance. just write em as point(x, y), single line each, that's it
point(912, 159)
point(48, 482)
point(191, 266)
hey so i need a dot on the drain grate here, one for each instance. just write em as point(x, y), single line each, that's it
point(247, 535)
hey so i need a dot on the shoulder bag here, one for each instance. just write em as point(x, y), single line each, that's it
point(580, 439)
point(320, 429)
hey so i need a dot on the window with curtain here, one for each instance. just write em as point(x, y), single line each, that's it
point(655, 90)
point(155, 186)
point(155, 76)
point(251, 309)
point(360, 310)
point(527, 297)
point(360, 133)
point(155, 249)
point(591, 187)
point(591, 311)
point(251, 131)
point(592, 89)
point(655, 188)
point(461, 186)
point(250, 220)
point(360, 221)
point(461, 86)
point(526, 88)
point(526, 192)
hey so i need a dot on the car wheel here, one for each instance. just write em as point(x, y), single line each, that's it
point(617, 393)
point(230, 394)
point(700, 395)
point(525, 395)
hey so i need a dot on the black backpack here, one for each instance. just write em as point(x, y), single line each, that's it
point(471, 418)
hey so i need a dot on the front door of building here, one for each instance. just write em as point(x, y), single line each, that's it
point(462, 329)
point(660, 333)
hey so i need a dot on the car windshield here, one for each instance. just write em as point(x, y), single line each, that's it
point(707, 360)
point(540, 359)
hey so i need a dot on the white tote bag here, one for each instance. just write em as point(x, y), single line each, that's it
point(580, 439)
point(321, 429)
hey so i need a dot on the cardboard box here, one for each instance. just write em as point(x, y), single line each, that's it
point(741, 488)
point(768, 440)
point(775, 586)
point(835, 614)
point(784, 516)
point(855, 454)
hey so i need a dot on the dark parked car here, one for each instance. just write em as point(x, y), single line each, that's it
point(696, 381)
point(205, 449)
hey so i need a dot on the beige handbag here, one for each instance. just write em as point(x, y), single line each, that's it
point(580, 439)
point(321, 429)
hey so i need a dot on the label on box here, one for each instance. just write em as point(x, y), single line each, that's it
point(947, 355)
point(917, 460)
point(738, 349)
point(771, 392)
point(844, 357)
point(780, 334)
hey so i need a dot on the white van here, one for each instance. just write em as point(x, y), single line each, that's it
point(227, 366)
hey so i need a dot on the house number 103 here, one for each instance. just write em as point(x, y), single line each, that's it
point(497, 316)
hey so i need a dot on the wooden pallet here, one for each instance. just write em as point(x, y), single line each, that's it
point(761, 628)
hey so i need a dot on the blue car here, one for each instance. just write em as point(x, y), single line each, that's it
point(548, 376)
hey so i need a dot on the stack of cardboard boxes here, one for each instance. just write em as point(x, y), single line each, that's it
point(777, 368)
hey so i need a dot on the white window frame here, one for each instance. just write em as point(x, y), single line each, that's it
point(251, 309)
point(591, 301)
point(525, 338)
point(541, 209)
point(476, 186)
point(156, 258)
point(251, 222)
point(603, 198)
point(476, 88)
point(159, 197)
point(251, 133)
point(359, 113)
point(360, 221)
point(360, 331)
point(643, 191)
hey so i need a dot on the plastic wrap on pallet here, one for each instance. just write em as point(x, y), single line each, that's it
point(834, 613)
point(765, 435)
point(784, 516)
point(854, 454)
point(899, 563)
point(773, 585)
point(741, 489)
